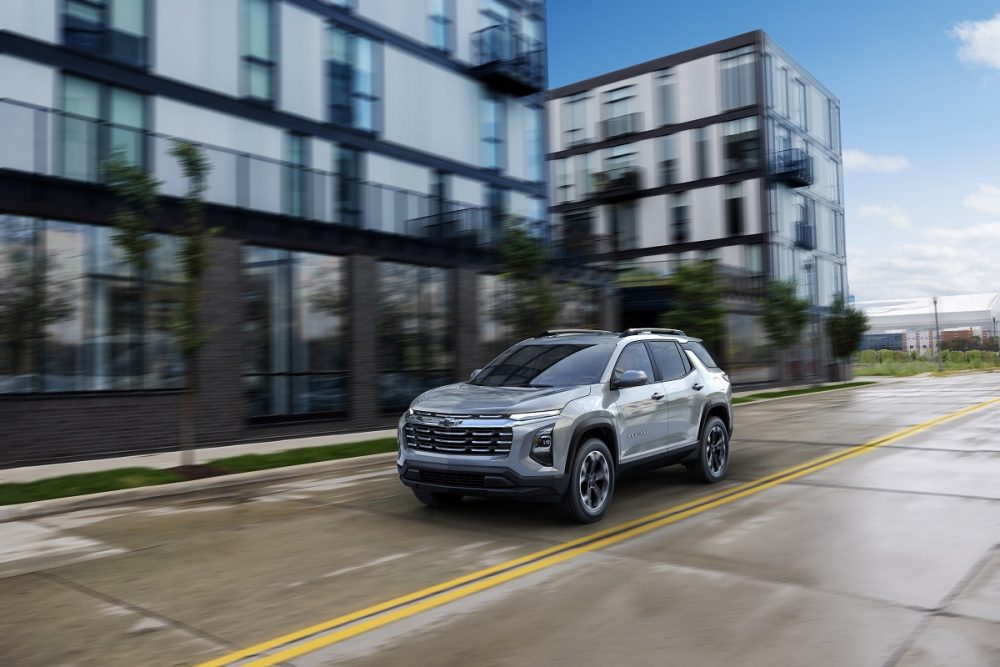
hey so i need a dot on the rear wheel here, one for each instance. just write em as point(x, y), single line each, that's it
point(435, 499)
point(591, 483)
point(713, 453)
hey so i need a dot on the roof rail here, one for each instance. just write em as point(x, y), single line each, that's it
point(557, 332)
point(651, 330)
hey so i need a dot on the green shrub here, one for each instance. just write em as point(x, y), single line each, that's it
point(885, 356)
point(991, 358)
point(868, 356)
point(900, 357)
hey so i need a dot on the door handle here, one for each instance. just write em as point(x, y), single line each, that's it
point(657, 396)
point(697, 386)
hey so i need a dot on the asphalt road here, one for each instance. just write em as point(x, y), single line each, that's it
point(886, 554)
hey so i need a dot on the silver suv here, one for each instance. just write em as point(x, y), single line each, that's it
point(560, 416)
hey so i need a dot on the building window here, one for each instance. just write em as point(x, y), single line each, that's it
point(781, 91)
point(799, 111)
point(584, 175)
point(624, 227)
point(734, 209)
point(753, 258)
point(493, 130)
point(353, 79)
point(741, 144)
point(666, 97)
point(414, 333)
point(782, 139)
point(495, 303)
point(739, 82)
point(702, 152)
point(112, 28)
point(259, 51)
point(297, 175)
point(619, 112)
point(344, 4)
point(618, 159)
point(98, 121)
point(497, 207)
point(534, 153)
point(76, 316)
point(575, 116)
point(441, 25)
point(349, 169)
point(680, 217)
point(669, 160)
point(838, 222)
point(834, 112)
point(577, 238)
point(296, 331)
point(564, 180)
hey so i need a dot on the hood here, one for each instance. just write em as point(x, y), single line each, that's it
point(464, 398)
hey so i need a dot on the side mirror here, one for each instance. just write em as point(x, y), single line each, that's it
point(475, 373)
point(630, 379)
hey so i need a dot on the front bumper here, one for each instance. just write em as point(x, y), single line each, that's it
point(488, 481)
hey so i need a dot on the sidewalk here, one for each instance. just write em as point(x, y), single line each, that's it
point(173, 459)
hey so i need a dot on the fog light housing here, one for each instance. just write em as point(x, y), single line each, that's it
point(541, 446)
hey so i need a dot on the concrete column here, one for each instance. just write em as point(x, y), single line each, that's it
point(363, 361)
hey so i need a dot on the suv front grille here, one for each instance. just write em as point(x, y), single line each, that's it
point(467, 479)
point(459, 439)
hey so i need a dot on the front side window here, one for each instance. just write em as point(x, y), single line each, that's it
point(441, 25)
point(76, 316)
point(296, 326)
point(634, 358)
point(493, 126)
point(739, 83)
point(353, 80)
point(540, 365)
point(98, 121)
point(741, 144)
point(111, 28)
point(258, 50)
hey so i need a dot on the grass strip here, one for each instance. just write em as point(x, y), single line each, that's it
point(795, 392)
point(14, 493)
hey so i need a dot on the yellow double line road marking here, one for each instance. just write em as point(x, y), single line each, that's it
point(298, 643)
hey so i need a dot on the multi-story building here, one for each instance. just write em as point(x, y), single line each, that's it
point(365, 156)
point(728, 151)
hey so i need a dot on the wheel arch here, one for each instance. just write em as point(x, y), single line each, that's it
point(600, 427)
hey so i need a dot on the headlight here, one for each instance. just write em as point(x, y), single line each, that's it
point(541, 446)
point(525, 416)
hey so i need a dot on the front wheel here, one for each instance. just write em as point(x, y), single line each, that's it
point(713, 453)
point(434, 499)
point(591, 483)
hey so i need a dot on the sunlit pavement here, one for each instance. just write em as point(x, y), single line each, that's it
point(890, 557)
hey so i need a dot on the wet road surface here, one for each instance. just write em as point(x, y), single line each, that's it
point(883, 557)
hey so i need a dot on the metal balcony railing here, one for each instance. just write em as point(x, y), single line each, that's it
point(793, 167)
point(618, 182)
point(618, 126)
point(805, 236)
point(581, 246)
point(54, 143)
point(508, 61)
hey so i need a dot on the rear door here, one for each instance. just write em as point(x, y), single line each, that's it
point(642, 412)
point(685, 395)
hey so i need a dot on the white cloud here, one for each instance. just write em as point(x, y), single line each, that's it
point(892, 215)
point(855, 160)
point(937, 261)
point(979, 41)
point(986, 198)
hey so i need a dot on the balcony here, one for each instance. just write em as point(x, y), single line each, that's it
point(741, 282)
point(507, 61)
point(793, 167)
point(581, 246)
point(619, 126)
point(618, 183)
point(49, 142)
point(805, 236)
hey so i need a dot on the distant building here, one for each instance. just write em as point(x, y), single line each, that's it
point(920, 341)
point(884, 341)
point(963, 311)
point(729, 151)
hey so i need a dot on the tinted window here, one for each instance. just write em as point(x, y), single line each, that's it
point(546, 366)
point(702, 354)
point(668, 359)
point(634, 358)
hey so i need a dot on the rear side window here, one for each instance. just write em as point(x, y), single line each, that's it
point(702, 354)
point(668, 359)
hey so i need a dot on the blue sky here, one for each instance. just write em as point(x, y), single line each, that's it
point(919, 87)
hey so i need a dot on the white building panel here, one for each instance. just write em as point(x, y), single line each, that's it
point(25, 81)
point(301, 62)
point(698, 91)
point(408, 17)
point(37, 19)
point(403, 175)
point(197, 44)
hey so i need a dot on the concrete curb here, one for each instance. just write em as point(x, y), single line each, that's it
point(215, 486)
point(208, 487)
point(814, 393)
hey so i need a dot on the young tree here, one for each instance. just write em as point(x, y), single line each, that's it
point(137, 193)
point(696, 305)
point(845, 325)
point(533, 307)
point(189, 331)
point(784, 316)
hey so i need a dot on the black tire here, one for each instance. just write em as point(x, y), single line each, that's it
point(435, 499)
point(713, 453)
point(591, 476)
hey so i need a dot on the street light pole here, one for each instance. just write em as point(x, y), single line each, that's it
point(937, 334)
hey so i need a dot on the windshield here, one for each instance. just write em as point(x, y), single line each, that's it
point(546, 366)
point(702, 354)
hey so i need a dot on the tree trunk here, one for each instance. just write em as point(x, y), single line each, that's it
point(188, 434)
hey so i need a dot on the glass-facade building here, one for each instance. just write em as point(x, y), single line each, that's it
point(363, 165)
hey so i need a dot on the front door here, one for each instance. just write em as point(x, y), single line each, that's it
point(642, 411)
